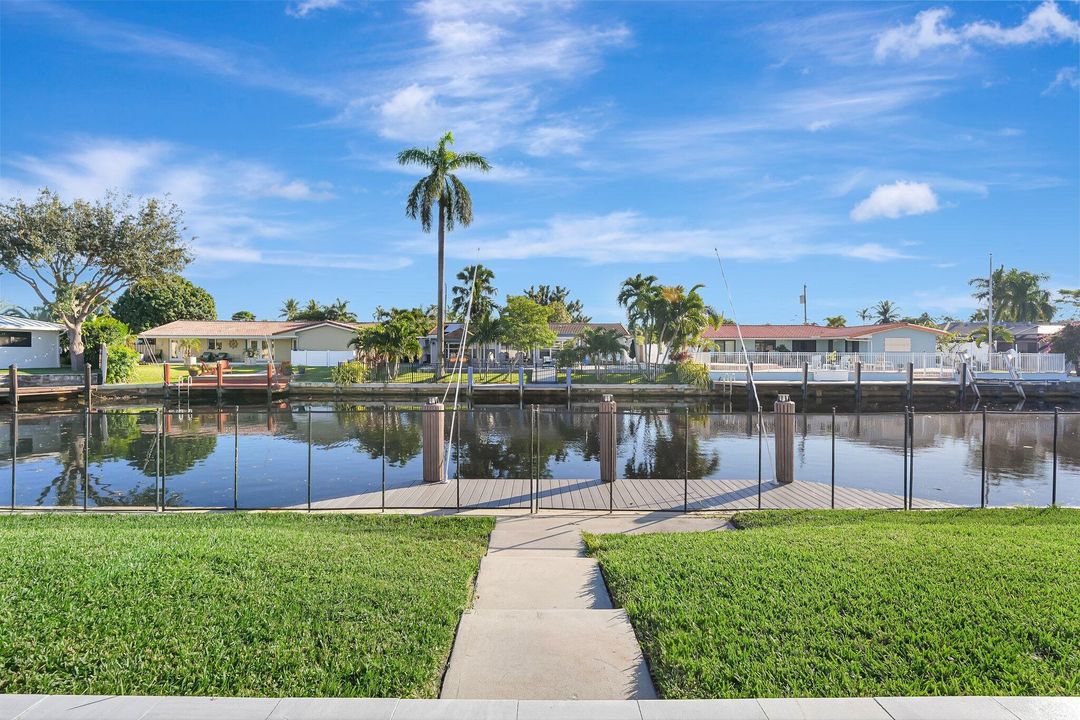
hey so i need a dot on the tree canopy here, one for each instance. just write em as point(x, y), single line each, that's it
point(159, 300)
point(78, 256)
point(243, 316)
point(1018, 296)
point(483, 298)
point(563, 309)
point(524, 324)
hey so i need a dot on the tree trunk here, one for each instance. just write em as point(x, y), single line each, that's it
point(76, 349)
point(440, 316)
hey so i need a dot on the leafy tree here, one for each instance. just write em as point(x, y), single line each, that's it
point(244, 316)
point(1018, 295)
point(122, 364)
point(441, 189)
point(159, 300)
point(396, 337)
point(926, 319)
point(885, 312)
point(483, 332)
point(1001, 334)
point(289, 309)
point(601, 344)
point(836, 321)
point(1070, 298)
point(103, 331)
point(524, 324)
point(483, 298)
point(865, 314)
point(563, 309)
point(77, 257)
point(349, 373)
point(1068, 342)
point(683, 316)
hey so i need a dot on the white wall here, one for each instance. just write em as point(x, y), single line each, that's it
point(321, 358)
point(44, 352)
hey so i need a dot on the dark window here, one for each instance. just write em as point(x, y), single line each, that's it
point(14, 339)
point(804, 346)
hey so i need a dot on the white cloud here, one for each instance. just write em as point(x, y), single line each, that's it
point(931, 31)
point(819, 125)
point(1065, 78)
point(555, 140)
point(305, 7)
point(893, 201)
point(628, 236)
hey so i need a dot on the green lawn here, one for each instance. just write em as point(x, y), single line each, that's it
point(845, 603)
point(246, 604)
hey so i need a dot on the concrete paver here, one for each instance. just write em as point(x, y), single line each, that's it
point(736, 709)
point(822, 709)
point(220, 708)
point(334, 709)
point(88, 707)
point(456, 710)
point(1042, 708)
point(12, 705)
point(578, 710)
point(955, 708)
point(510, 582)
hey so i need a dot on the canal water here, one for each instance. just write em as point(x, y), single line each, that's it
point(259, 458)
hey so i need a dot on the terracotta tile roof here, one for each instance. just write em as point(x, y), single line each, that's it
point(560, 329)
point(806, 332)
point(239, 329)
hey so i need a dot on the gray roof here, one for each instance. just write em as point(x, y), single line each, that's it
point(12, 322)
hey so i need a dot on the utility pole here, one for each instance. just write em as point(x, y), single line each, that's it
point(802, 299)
point(990, 314)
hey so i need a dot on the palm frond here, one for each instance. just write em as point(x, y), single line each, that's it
point(416, 156)
point(462, 207)
point(470, 161)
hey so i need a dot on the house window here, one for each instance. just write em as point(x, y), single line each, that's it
point(804, 346)
point(14, 339)
point(897, 344)
point(212, 344)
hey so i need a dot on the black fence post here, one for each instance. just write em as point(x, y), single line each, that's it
point(832, 474)
point(164, 456)
point(14, 453)
point(983, 493)
point(236, 458)
point(457, 462)
point(911, 463)
point(309, 460)
point(905, 477)
point(760, 429)
point(532, 468)
point(157, 458)
point(86, 458)
point(1053, 476)
point(686, 463)
point(385, 422)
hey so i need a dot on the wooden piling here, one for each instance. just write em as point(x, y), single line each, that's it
point(858, 385)
point(88, 374)
point(910, 383)
point(805, 384)
point(963, 382)
point(784, 436)
point(608, 419)
point(220, 372)
point(434, 448)
point(13, 387)
point(750, 385)
point(269, 380)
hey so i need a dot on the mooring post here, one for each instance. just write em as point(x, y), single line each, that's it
point(1053, 476)
point(269, 381)
point(103, 363)
point(805, 383)
point(910, 383)
point(858, 385)
point(521, 385)
point(220, 372)
point(13, 387)
point(569, 382)
point(165, 377)
point(469, 374)
point(750, 385)
point(784, 434)
point(963, 383)
point(607, 439)
point(434, 449)
point(88, 374)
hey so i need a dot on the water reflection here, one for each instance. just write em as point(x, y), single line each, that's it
point(216, 458)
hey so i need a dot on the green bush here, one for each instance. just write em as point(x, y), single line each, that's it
point(123, 362)
point(689, 372)
point(103, 331)
point(349, 373)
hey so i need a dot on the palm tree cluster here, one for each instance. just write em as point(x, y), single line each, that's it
point(337, 311)
point(665, 319)
point(563, 309)
point(1018, 296)
point(600, 345)
point(394, 339)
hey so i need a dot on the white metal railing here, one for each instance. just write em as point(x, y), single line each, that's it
point(880, 361)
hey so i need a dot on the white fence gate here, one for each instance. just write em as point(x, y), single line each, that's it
point(321, 358)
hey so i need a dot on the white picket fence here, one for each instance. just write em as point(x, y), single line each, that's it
point(321, 358)
point(882, 361)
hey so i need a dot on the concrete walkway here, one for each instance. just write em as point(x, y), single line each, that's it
point(103, 707)
point(542, 625)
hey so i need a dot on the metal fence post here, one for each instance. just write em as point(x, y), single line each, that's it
point(164, 456)
point(309, 460)
point(236, 458)
point(157, 458)
point(1053, 476)
point(534, 500)
point(903, 484)
point(760, 433)
point(686, 463)
point(832, 474)
point(14, 453)
point(86, 458)
point(911, 463)
point(386, 421)
point(457, 460)
point(983, 493)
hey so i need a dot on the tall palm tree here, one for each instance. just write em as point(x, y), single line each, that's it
point(289, 309)
point(1018, 295)
point(685, 316)
point(484, 332)
point(886, 312)
point(865, 314)
point(441, 188)
point(639, 295)
point(483, 296)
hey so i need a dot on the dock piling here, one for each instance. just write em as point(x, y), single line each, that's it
point(858, 386)
point(910, 383)
point(88, 375)
point(805, 383)
point(607, 439)
point(784, 437)
point(434, 449)
point(13, 387)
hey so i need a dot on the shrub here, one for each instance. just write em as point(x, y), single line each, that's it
point(689, 372)
point(349, 373)
point(123, 362)
point(103, 331)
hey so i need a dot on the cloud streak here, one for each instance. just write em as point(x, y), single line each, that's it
point(896, 200)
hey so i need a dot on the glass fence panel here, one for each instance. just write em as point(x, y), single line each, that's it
point(567, 458)
point(651, 460)
point(1019, 458)
point(811, 486)
point(346, 458)
point(948, 460)
point(198, 456)
point(272, 459)
point(870, 460)
point(405, 486)
point(1068, 468)
point(50, 460)
point(490, 457)
point(723, 465)
point(124, 457)
point(7, 467)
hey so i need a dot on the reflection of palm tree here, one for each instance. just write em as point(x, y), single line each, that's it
point(404, 440)
point(662, 440)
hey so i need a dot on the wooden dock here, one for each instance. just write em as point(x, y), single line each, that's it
point(642, 495)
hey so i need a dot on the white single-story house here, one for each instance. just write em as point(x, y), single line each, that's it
point(497, 354)
point(29, 343)
point(890, 337)
point(1027, 337)
point(301, 342)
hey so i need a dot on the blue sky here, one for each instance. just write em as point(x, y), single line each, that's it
point(869, 150)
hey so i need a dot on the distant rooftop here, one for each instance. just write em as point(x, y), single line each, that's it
point(240, 328)
point(807, 332)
